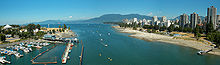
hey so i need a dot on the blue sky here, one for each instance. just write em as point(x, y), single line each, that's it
point(26, 11)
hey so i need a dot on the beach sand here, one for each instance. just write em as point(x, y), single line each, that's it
point(167, 39)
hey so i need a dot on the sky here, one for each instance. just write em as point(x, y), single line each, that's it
point(27, 11)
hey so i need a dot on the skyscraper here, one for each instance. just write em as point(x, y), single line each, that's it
point(154, 18)
point(164, 19)
point(212, 16)
point(184, 19)
point(199, 20)
point(193, 20)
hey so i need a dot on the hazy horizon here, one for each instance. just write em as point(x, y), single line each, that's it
point(26, 11)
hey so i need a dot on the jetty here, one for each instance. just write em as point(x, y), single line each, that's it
point(33, 62)
point(81, 56)
point(66, 52)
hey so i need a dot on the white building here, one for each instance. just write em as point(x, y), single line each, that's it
point(7, 27)
point(135, 20)
point(148, 22)
point(168, 23)
point(164, 19)
point(155, 18)
point(157, 22)
point(36, 30)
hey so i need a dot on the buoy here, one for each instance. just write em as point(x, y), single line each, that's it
point(100, 54)
point(110, 59)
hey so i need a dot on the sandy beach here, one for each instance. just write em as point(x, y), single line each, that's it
point(167, 39)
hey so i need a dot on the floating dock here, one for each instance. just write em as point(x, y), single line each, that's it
point(66, 52)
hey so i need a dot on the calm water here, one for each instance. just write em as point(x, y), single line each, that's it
point(122, 49)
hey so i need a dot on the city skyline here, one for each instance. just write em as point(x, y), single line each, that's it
point(20, 12)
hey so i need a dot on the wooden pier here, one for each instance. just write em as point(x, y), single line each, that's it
point(42, 54)
point(81, 56)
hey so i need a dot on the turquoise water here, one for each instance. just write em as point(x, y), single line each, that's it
point(123, 50)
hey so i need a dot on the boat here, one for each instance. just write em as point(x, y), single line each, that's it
point(26, 50)
point(39, 47)
point(30, 49)
point(109, 33)
point(106, 45)
point(18, 55)
point(2, 60)
point(201, 52)
point(76, 40)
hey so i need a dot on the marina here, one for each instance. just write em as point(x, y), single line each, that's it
point(107, 51)
point(26, 47)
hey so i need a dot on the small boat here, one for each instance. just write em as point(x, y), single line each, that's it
point(100, 54)
point(68, 57)
point(39, 47)
point(106, 45)
point(110, 59)
point(109, 33)
point(201, 52)
point(76, 40)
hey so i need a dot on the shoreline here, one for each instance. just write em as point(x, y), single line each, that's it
point(166, 39)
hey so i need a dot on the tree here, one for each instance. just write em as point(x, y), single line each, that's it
point(209, 28)
point(59, 26)
point(68, 28)
point(156, 27)
point(53, 31)
point(153, 30)
point(38, 26)
point(148, 30)
point(64, 26)
point(185, 29)
point(171, 28)
point(2, 37)
point(146, 26)
point(163, 28)
point(189, 29)
point(134, 28)
point(60, 30)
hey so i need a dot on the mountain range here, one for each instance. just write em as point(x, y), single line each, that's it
point(101, 19)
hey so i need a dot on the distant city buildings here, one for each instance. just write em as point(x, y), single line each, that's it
point(194, 19)
point(155, 18)
point(184, 19)
point(212, 16)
